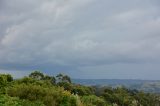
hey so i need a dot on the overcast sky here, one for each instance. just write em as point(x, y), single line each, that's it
point(112, 39)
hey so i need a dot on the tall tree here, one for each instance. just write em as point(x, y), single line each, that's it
point(36, 75)
point(66, 78)
point(50, 78)
point(63, 78)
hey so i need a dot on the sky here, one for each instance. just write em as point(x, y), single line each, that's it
point(90, 39)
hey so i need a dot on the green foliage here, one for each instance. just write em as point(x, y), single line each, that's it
point(5, 79)
point(82, 90)
point(66, 78)
point(68, 100)
point(14, 101)
point(63, 78)
point(28, 80)
point(51, 79)
point(125, 97)
point(36, 75)
point(93, 100)
point(42, 90)
point(65, 85)
point(147, 99)
point(50, 96)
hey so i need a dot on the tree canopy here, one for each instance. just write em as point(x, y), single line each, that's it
point(39, 89)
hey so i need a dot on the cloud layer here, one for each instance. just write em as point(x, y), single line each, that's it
point(84, 38)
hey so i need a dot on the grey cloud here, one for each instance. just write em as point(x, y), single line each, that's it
point(70, 35)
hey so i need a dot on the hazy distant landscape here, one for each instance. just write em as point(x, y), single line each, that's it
point(152, 86)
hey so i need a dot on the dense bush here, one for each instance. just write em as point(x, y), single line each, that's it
point(42, 90)
point(82, 90)
point(124, 97)
point(14, 101)
point(65, 85)
point(50, 96)
point(5, 79)
point(93, 100)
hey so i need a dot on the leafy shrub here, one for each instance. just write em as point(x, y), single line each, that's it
point(93, 100)
point(5, 79)
point(67, 86)
point(82, 90)
point(14, 101)
point(50, 96)
point(28, 80)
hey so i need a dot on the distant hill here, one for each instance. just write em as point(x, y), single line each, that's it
point(144, 85)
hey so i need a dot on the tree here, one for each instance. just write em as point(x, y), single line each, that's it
point(7, 77)
point(65, 85)
point(59, 77)
point(4, 80)
point(66, 78)
point(93, 100)
point(50, 78)
point(36, 75)
point(82, 90)
point(63, 78)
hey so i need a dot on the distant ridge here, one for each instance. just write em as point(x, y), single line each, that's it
point(152, 86)
point(125, 82)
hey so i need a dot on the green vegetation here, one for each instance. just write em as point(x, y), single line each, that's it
point(38, 89)
point(152, 87)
